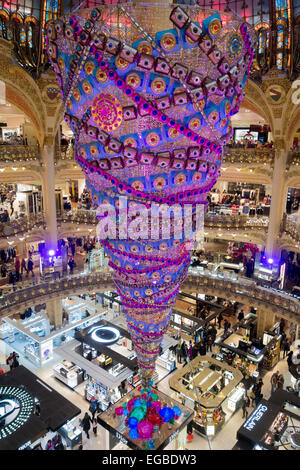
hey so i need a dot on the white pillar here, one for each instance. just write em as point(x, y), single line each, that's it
point(277, 203)
point(49, 196)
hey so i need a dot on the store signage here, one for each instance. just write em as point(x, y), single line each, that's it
point(104, 334)
point(24, 446)
point(255, 417)
point(121, 438)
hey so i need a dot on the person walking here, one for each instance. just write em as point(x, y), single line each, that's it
point(15, 359)
point(30, 267)
point(289, 358)
point(274, 381)
point(280, 382)
point(286, 347)
point(209, 343)
point(202, 348)
point(241, 315)
point(252, 394)
point(94, 425)
point(49, 445)
point(245, 405)
point(190, 351)
point(220, 318)
point(86, 424)
point(184, 352)
point(179, 353)
point(10, 361)
point(23, 266)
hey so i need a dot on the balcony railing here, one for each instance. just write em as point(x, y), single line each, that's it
point(244, 290)
point(19, 153)
point(292, 228)
point(293, 158)
point(249, 156)
point(238, 222)
point(64, 152)
point(20, 225)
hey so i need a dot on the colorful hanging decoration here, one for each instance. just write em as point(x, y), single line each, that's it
point(149, 92)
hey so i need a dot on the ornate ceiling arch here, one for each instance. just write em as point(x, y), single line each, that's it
point(21, 89)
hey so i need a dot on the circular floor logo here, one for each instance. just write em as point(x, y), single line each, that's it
point(104, 334)
point(16, 406)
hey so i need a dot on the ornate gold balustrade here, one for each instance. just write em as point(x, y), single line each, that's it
point(249, 156)
point(243, 290)
point(20, 225)
point(293, 158)
point(19, 153)
point(292, 228)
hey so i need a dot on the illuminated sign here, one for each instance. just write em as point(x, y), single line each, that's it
point(104, 334)
point(255, 417)
point(16, 407)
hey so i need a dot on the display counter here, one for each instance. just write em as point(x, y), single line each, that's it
point(68, 373)
point(71, 434)
point(167, 360)
point(212, 388)
point(240, 348)
point(101, 393)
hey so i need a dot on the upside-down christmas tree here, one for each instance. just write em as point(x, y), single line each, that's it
point(148, 91)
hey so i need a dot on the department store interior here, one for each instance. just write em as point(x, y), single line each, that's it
point(149, 344)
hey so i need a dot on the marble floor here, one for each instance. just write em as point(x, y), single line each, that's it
point(225, 439)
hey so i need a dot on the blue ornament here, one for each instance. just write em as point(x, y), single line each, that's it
point(133, 422)
point(125, 412)
point(133, 433)
point(137, 402)
point(177, 411)
point(167, 413)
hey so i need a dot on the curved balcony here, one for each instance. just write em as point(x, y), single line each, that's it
point(249, 156)
point(243, 290)
point(293, 158)
point(20, 225)
point(19, 153)
point(64, 152)
point(237, 222)
point(292, 228)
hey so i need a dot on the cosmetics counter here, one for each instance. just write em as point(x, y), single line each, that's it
point(272, 425)
point(69, 373)
point(35, 338)
point(213, 389)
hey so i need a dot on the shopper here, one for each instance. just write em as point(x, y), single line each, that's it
point(93, 406)
point(246, 404)
point(86, 424)
point(289, 358)
point(10, 361)
point(209, 343)
point(286, 347)
point(30, 267)
point(49, 445)
point(15, 359)
point(71, 265)
point(220, 318)
point(190, 351)
point(179, 353)
point(260, 385)
point(122, 388)
point(3, 270)
point(274, 381)
point(57, 442)
point(281, 325)
point(94, 425)
point(202, 348)
point(241, 315)
point(23, 266)
point(252, 395)
point(280, 382)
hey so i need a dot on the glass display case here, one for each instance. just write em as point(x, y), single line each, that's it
point(71, 434)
